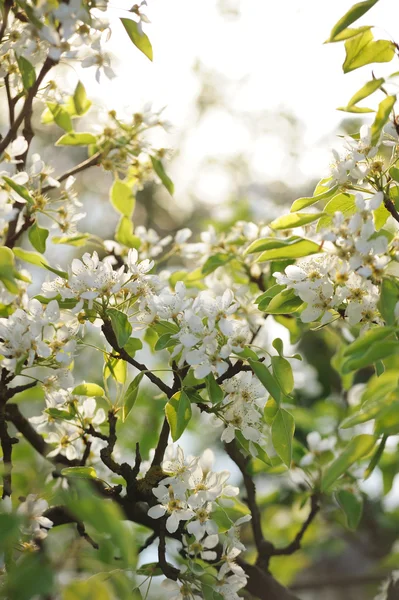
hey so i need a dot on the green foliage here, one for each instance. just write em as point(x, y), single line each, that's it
point(357, 448)
point(37, 237)
point(139, 38)
point(122, 198)
point(283, 428)
point(178, 414)
point(352, 15)
point(363, 49)
point(130, 396)
point(121, 326)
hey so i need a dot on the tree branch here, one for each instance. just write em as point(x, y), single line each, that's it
point(264, 547)
point(296, 543)
point(92, 161)
point(111, 339)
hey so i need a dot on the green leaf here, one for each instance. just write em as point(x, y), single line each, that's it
point(374, 353)
point(33, 258)
point(88, 389)
point(283, 428)
point(352, 507)
point(301, 203)
point(384, 110)
point(139, 39)
point(80, 99)
point(389, 296)
point(356, 109)
point(20, 189)
point(363, 342)
point(293, 220)
point(394, 173)
point(282, 371)
point(358, 447)
point(57, 272)
point(150, 570)
point(124, 233)
point(291, 248)
point(363, 49)
point(61, 116)
point(178, 414)
point(75, 240)
point(380, 216)
point(165, 341)
point(215, 392)
point(37, 237)
point(27, 71)
point(81, 472)
point(57, 413)
point(286, 302)
point(348, 33)
point(117, 368)
point(369, 88)
point(160, 171)
point(76, 139)
point(131, 396)
point(217, 260)
point(121, 326)
point(353, 14)
point(122, 198)
point(132, 346)
point(266, 378)
point(344, 203)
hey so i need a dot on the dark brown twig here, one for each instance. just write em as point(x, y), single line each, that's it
point(295, 545)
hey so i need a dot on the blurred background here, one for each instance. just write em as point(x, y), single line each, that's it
point(251, 94)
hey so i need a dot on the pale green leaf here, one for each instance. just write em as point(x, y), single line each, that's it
point(139, 38)
point(358, 447)
point(283, 428)
point(178, 414)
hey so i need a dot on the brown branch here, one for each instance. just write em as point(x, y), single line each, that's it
point(264, 547)
point(10, 100)
point(356, 580)
point(92, 161)
point(6, 442)
point(263, 585)
point(162, 444)
point(167, 569)
point(111, 339)
point(6, 10)
point(61, 515)
point(12, 132)
point(295, 545)
point(11, 392)
point(390, 206)
point(14, 416)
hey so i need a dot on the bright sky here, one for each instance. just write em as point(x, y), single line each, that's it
point(273, 58)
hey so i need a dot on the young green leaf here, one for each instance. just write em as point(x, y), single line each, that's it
point(178, 414)
point(291, 249)
point(37, 237)
point(353, 14)
point(293, 220)
point(358, 447)
point(121, 326)
point(363, 49)
point(60, 116)
point(76, 139)
point(301, 203)
point(131, 396)
point(20, 189)
point(282, 371)
point(124, 233)
point(27, 71)
point(352, 507)
point(81, 472)
point(286, 302)
point(283, 428)
point(88, 389)
point(80, 99)
point(139, 38)
point(34, 258)
point(266, 378)
point(215, 392)
point(389, 296)
point(160, 171)
point(122, 198)
point(381, 118)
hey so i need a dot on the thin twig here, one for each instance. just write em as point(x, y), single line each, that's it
point(295, 545)
point(86, 164)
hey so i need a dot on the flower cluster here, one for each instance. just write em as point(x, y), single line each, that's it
point(191, 493)
point(36, 335)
